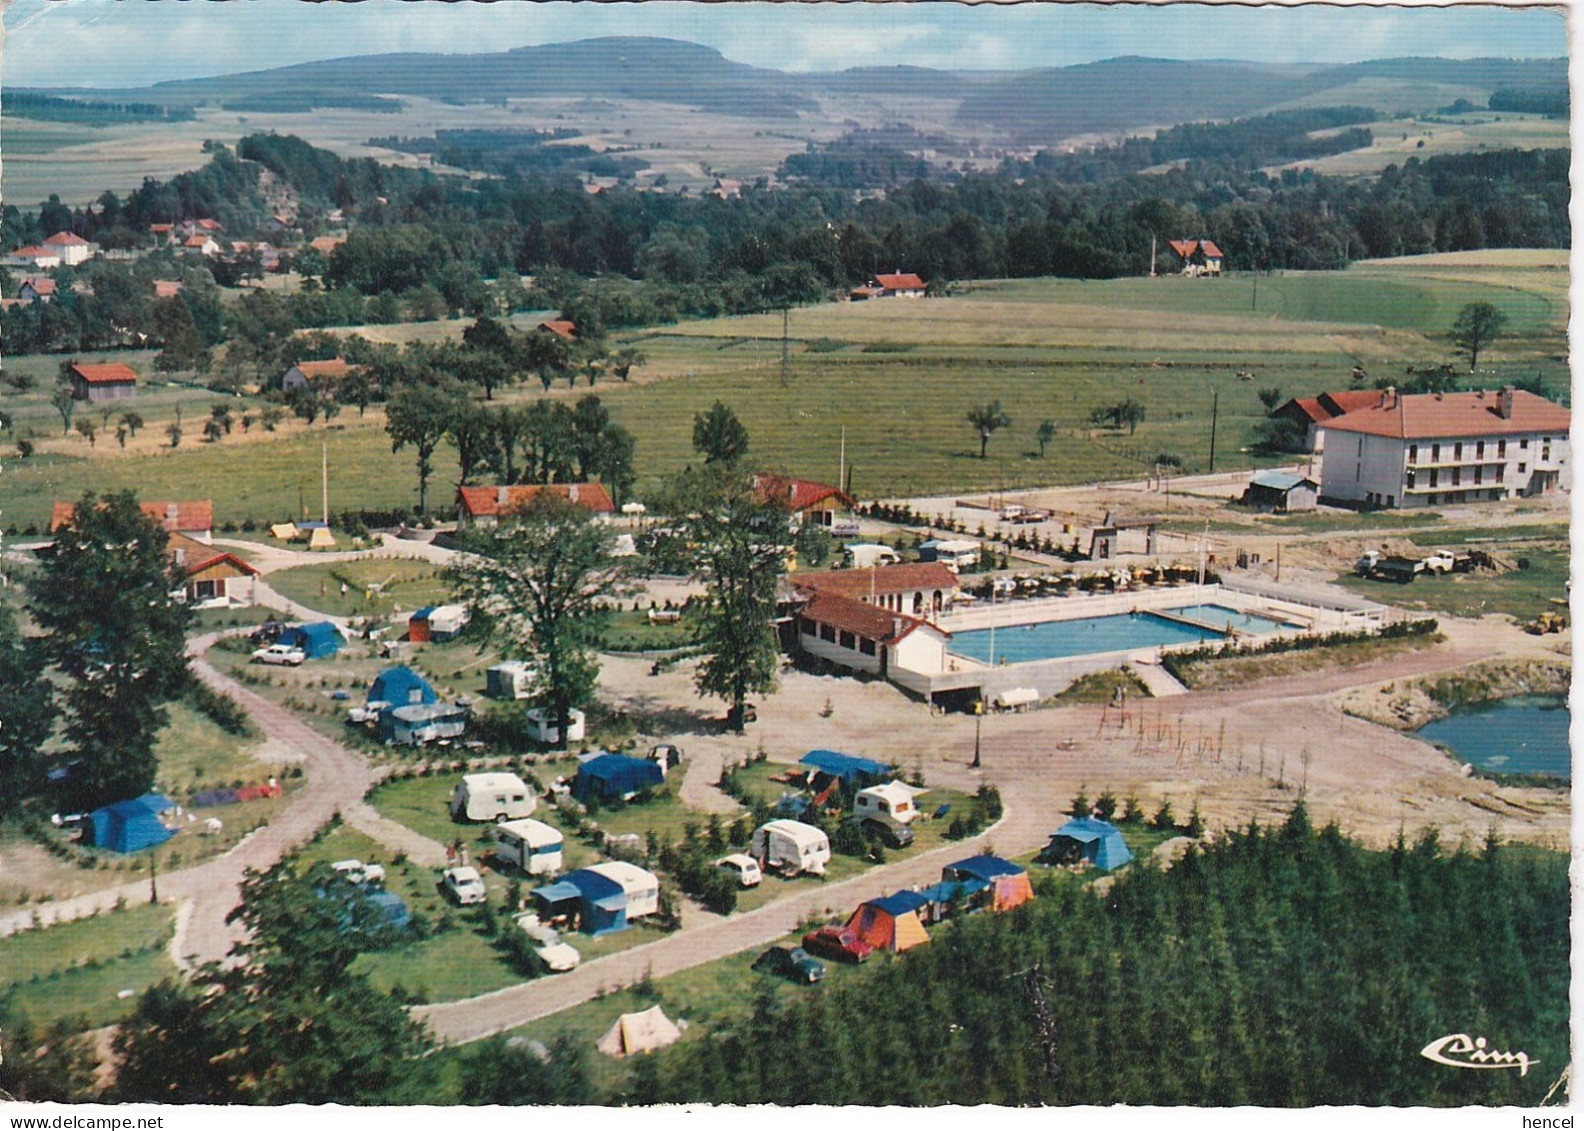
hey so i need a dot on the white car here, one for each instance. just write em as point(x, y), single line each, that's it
point(743, 867)
point(359, 872)
point(288, 654)
point(464, 885)
point(557, 955)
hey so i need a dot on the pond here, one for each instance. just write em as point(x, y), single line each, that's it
point(1526, 734)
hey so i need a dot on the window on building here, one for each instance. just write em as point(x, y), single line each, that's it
point(1435, 453)
point(1501, 449)
point(1410, 481)
point(1413, 452)
point(1457, 450)
point(1479, 450)
point(1523, 445)
point(867, 647)
point(828, 632)
point(810, 629)
point(1479, 476)
point(849, 641)
point(1522, 467)
point(1435, 477)
point(1545, 451)
point(1457, 476)
point(1391, 500)
point(1358, 472)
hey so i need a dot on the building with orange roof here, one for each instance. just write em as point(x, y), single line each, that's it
point(315, 372)
point(486, 506)
point(34, 257)
point(898, 284)
point(917, 589)
point(1441, 449)
point(1199, 257)
point(561, 328)
point(212, 577)
point(71, 248)
point(103, 382)
point(860, 636)
point(37, 287)
point(1312, 412)
point(192, 518)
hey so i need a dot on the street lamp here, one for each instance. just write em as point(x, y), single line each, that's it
point(978, 719)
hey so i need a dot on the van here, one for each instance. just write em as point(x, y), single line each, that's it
point(492, 797)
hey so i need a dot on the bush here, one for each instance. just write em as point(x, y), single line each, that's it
point(1164, 821)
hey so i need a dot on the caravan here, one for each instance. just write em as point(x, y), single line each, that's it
point(530, 845)
point(492, 797)
point(892, 799)
point(791, 848)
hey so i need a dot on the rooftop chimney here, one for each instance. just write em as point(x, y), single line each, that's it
point(502, 493)
point(1504, 403)
point(1388, 397)
point(172, 512)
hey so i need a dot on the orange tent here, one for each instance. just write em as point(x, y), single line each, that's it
point(1012, 891)
point(891, 923)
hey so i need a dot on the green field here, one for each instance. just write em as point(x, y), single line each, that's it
point(397, 584)
point(79, 968)
point(1521, 594)
point(1047, 349)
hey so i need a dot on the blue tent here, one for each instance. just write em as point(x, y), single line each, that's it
point(401, 687)
point(602, 904)
point(938, 898)
point(212, 797)
point(899, 903)
point(615, 775)
point(320, 639)
point(393, 907)
point(132, 825)
point(851, 770)
point(1089, 838)
point(985, 868)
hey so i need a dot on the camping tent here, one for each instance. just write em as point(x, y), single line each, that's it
point(436, 622)
point(598, 902)
point(639, 1032)
point(401, 687)
point(1009, 884)
point(131, 825)
point(1087, 839)
point(942, 899)
point(319, 639)
point(613, 776)
point(891, 923)
point(852, 771)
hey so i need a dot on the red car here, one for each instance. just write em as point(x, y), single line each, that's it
point(837, 943)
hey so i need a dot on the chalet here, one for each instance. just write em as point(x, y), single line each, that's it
point(103, 382)
point(193, 519)
point(33, 257)
point(1311, 413)
point(1441, 449)
point(865, 637)
point(212, 576)
point(561, 328)
point(37, 287)
point(917, 589)
point(71, 248)
point(1198, 257)
point(1281, 491)
point(804, 499)
point(898, 285)
point(315, 372)
point(485, 506)
point(200, 244)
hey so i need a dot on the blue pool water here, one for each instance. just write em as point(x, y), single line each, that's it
point(1219, 616)
point(1056, 639)
point(1526, 734)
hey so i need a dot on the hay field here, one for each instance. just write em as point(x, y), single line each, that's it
point(1398, 139)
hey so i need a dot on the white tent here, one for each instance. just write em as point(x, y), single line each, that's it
point(639, 1032)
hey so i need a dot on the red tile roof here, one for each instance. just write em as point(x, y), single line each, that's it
point(868, 621)
point(209, 225)
point(1328, 405)
point(335, 367)
point(40, 286)
point(33, 251)
point(197, 241)
point(174, 517)
point(1211, 251)
point(326, 244)
point(561, 328)
point(113, 374)
point(797, 495)
point(65, 239)
point(900, 282)
point(166, 288)
point(1186, 248)
point(193, 555)
point(481, 502)
point(860, 583)
point(1432, 416)
point(161, 229)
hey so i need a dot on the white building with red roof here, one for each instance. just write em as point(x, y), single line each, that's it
point(32, 257)
point(804, 499)
point(917, 589)
point(71, 248)
point(898, 284)
point(1199, 257)
point(1440, 449)
point(865, 637)
point(37, 287)
point(486, 506)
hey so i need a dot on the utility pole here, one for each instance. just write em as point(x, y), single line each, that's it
point(324, 481)
point(1152, 257)
point(786, 317)
point(841, 464)
point(153, 878)
point(1215, 408)
point(1254, 305)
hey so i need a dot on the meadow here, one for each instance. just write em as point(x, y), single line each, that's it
point(898, 377)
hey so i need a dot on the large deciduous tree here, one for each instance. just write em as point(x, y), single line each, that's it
point(541, 585)
point(114, 633)
point(420, 417)
point(26, 720)
point(719, 436)
point(1476, 326)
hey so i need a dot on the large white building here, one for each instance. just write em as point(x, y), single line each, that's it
point(1437, 449)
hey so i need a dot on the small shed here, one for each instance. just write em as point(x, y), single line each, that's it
point(852, 771)
point(512, 679)
point(891, 923)
point(615, 777)
point(436, 622)
point(635, 1033)
point(1087, 840)
point(1281, 491)
point(131, 825)
point(316, 640)
point(401, 687)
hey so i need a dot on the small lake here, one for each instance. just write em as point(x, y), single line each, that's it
point(1526, 734)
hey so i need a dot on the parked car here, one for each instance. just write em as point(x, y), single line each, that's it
point(359, 872)
point(288, 654)
point(837, 943)
point(744, 868)
point(559, 956)
point(892, 832)
point(791, 962)
point(462, 885)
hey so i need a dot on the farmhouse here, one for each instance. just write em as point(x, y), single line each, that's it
point(1311, 413)
point(485, 506)
point(1439, 449)
point(1198, 257)
point(201, 245)
point(865, 637)
point(103, 382)
point(212, 575)
point(561, 328)
point(37, 258)
point(37, 288)
point(896, 285)
point(313, 372)
point(194, 519)
point(72, 249)
point(919, 589)
point(1281, 491)
point(804, 499)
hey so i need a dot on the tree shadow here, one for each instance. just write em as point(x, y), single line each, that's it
point(648, 715)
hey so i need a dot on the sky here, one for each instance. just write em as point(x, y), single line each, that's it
point(121, 43)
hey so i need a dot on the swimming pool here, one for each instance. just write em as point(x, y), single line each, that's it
point(1057, 639)
point(1219, 616)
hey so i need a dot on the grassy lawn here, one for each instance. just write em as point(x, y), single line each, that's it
point(630, 631)
point(1456, 536)
point(50, 972)
point(1235, 671)
point(1521, 594)
point(375, 587)
point(194, 753)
